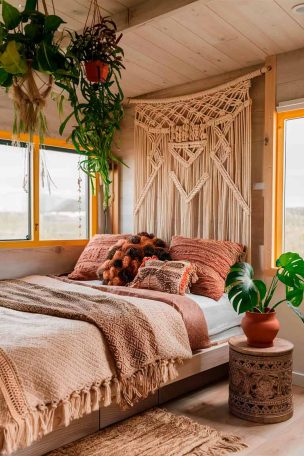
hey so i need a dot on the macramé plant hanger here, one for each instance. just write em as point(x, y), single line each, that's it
point(31, 61)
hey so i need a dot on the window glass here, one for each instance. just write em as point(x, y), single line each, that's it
point(294, 186)
point(15, 198)
point(64, 195)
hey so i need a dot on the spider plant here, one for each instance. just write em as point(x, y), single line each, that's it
point(248, 294)
point(97, 109)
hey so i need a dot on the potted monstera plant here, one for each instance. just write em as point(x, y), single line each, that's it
point(252, 297)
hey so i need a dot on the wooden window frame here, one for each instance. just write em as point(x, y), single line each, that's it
point(35, 241)
point(282, 117)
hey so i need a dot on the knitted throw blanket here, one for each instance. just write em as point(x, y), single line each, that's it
point(139, 365)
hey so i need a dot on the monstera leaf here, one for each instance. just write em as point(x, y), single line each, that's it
point(291, 269)
point(244, 292)
point(11, 60)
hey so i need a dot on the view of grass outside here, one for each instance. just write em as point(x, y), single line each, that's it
point(294, 186)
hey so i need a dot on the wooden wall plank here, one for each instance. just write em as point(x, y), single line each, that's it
point(16, 263)
point(268, 162)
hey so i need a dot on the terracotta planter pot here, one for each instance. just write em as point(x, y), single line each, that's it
point(260, 329)
point(96, 71)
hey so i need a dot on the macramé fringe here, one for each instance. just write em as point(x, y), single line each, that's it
point(126, 392)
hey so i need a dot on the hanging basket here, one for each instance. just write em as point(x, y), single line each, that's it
point(96, 71)
point(30, 93)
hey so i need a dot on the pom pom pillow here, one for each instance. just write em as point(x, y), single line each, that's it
point(95, 252)
point(126, 256)
point(168, 276)
point(213, 260)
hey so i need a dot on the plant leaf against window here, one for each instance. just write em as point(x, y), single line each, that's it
point(291, 269)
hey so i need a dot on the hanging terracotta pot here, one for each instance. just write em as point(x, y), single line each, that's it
point(260, 328)
point(96, 70)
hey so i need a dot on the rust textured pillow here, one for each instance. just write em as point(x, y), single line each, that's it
point(94, 253)
point(172, 277)
point(213, 260)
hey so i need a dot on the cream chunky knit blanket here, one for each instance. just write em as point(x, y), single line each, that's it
point(53, 370)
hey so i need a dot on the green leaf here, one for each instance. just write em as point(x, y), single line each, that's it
point(47, 56)
point(64, 123)
point(30, 5)
point(52, 23)
point(260, 285)
point(291, 269)
point(11, 16)
point(244, 292)
point(6, 79)
point(34, 32)
point(294, 295)
point(12, 61)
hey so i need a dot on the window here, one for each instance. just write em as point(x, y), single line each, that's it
point(44, 195)
point(64, 196)
point(290, 183)
point(15, 191)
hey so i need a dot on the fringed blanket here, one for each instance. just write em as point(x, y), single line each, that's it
point(54, 370)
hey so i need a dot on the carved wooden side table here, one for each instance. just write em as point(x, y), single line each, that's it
point(260, 384)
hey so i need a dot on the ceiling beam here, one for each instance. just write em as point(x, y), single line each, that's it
point(147, 11)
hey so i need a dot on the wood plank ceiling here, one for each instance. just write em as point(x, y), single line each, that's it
point(193, 39)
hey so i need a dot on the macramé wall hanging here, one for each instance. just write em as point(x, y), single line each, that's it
point(193, 164)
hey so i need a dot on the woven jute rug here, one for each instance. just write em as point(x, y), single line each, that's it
point(154, 433)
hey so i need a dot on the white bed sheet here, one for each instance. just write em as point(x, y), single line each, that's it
point(220, 315)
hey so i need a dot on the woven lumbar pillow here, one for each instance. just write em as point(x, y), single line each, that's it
point(126, 256)
point(95, 252)
point(213, 260)
point(168, 276)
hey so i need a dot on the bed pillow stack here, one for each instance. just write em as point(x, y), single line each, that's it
point(212, 259)
point(93, 255)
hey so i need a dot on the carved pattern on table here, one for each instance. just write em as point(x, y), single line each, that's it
point(259, 385)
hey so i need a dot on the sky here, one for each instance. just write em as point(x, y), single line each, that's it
point(294, 163)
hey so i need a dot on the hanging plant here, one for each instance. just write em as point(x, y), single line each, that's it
point(98, 45)
point(31, 61)
point(98, 107)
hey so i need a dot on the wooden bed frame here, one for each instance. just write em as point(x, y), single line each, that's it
point(205, 366)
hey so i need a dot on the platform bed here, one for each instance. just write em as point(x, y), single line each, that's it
point(206, 366)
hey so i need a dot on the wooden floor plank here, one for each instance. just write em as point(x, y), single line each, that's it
point(209, 406)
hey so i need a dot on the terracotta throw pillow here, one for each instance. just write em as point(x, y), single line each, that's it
point(213, 260)
point(172, 277)
point(95, 252)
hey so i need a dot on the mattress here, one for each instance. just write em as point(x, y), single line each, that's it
point(220, 315)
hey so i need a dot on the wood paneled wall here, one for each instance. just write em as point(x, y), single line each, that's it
point(126, 142)
point(16, 263)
